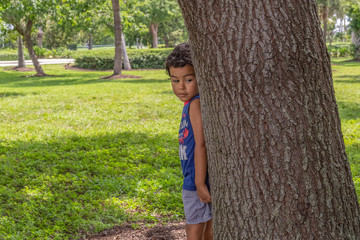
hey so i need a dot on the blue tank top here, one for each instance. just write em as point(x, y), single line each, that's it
point(187, 148)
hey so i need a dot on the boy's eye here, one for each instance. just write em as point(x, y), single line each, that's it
point(174, 80)
point(189, 80)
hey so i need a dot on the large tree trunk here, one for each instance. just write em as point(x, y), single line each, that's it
point(117, 30)
point(154, 30)
point(277, 162)
point(28, 42)
point(127, 65)
point(21, 58)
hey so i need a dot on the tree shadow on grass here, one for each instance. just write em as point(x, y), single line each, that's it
point(347, 79)
point(16, 80)
point(348, 110)
point(11, 94)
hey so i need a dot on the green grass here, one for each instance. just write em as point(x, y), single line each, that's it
point(346, 77)
point(79, 154)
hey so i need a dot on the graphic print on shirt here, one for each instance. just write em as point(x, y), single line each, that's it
point(184, 132)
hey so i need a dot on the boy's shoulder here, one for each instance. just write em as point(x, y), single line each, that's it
point(194, 108)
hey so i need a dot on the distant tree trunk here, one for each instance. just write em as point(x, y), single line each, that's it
point(117, 29)
point(21, 58)
point(90, 46)
point(355, 39)
point(166, 41)
point(324, 19)
point(28, 42)
point(154, 30)
point(40, 37)
point(127, 65)
point(345, 30)
point(277, 162)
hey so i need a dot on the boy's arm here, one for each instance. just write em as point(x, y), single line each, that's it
point(200, 152)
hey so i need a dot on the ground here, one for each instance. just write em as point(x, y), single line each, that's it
point(170, 231)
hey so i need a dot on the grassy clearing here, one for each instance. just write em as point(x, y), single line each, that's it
point(346, 77)
point(80, 154)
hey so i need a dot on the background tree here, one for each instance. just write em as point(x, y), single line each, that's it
point(21, 58)
point(22, 15)
point(156, 12)
point(173, 31)
point(117, 31)
point(107, 19)
point(326, 9)
point(277, 162)
point(354, 15)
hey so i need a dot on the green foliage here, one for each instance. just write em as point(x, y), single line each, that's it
point(354, 16)
point(139, 59)
point(80, 154)
point(12, 57)
point(347, 85)
point(72, 46)
point(335, 51)
point(53, 53)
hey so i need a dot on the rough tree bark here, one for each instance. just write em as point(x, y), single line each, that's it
point(127, 65)
point(277, 162)
point(154, 33)
point(117, 30)
point(21, 58)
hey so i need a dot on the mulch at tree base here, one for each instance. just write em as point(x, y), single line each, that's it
point(170, 231)
point(20, 69)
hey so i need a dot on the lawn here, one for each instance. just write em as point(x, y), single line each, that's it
point(80, 154)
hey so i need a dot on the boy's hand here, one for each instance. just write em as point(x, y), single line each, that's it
point(203, 193)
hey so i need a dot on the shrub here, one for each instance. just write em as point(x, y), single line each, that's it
point(72, 46)
point(11, 54)
point(335, 51)
point(12, 57)
point(93, 62)
point(53, 53)
point(140, 58)
point(40, 52)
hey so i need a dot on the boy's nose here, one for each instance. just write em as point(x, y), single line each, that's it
point(182, 86)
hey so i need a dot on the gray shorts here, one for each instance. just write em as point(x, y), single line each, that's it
point(195, 211)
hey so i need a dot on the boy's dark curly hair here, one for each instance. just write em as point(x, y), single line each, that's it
point(179, 57)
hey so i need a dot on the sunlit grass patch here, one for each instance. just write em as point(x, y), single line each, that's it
point(346, 77)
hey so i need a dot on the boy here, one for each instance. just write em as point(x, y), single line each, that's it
point(192, 151)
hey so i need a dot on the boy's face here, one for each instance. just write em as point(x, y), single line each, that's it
point(184, 82)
